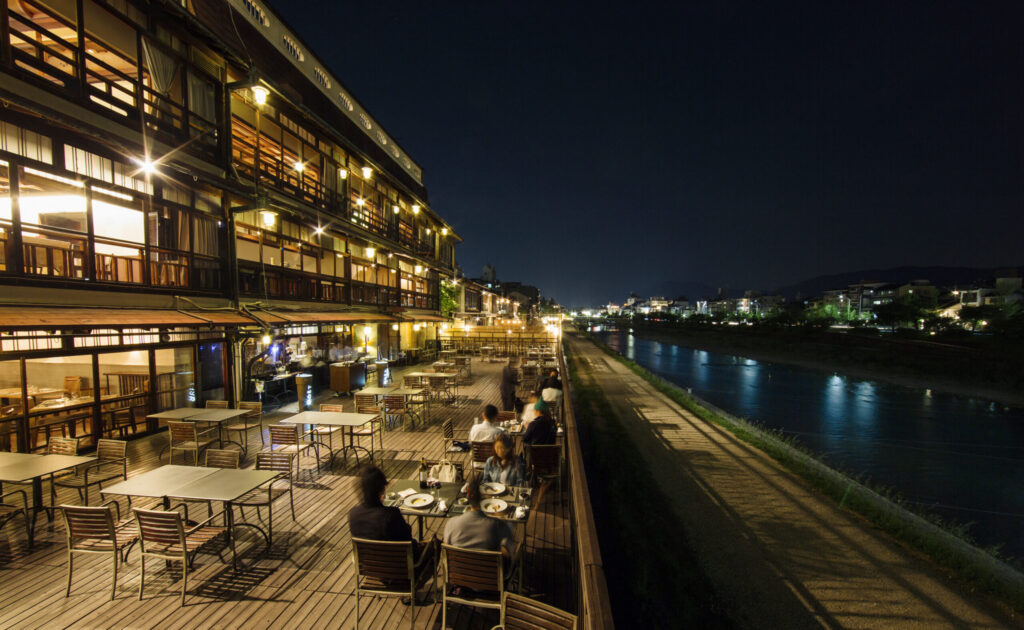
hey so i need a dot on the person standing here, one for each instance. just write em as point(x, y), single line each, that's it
point(509, 380)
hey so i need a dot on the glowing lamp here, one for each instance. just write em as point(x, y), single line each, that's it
point(415, 208)
point(370, 252)
point(299, 166)
point(366, 331)
point(419, 268)
point(269, 218)
point(444, 231)
point(360, 201)
point(394, 209)
point(266, 340)
point(367, 172)
point(342, 173)
point(394, 326)
point(428, 231)
point(259, 94)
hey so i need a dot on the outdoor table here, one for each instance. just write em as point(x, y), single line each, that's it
point(451, 492)
point(336, 419)
point(377, 392)
point(209, 416)
point(181, 413)
point(197, 483)
point(28, 467)
point(444, 365)
point(451, 377)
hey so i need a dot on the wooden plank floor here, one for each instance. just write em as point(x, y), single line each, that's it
point(305, 580)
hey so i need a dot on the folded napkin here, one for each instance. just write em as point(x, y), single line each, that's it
point(407, 492)
point(442, 506)
point(521, 511)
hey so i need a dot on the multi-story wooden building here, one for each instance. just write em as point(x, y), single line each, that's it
point(178, 182)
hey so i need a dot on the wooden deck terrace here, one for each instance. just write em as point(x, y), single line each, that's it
point(305, 580)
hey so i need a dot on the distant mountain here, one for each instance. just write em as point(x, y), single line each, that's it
point(671, 289)
point(938, 276)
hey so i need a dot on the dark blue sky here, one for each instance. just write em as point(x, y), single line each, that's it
point(593, 150)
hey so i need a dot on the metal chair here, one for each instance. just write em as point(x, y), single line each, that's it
point(96, 530)
point(387, 569)
point(482, 451)
point(221, 458)
point(329, 431)
point(285, 438)
point(448, 437)
point(162, 534)
point(478, 570)
point(251, 420)
point(365, 400)
point(396, 406)
point(111, 463)
point(265, 495)
point(8, 511)
point(412, 382)
point(523, 613)
point(186, 436)
point(439, 389)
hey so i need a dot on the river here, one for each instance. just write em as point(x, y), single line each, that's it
point(958, 457)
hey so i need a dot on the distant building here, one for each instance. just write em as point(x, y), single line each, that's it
point(489, 274)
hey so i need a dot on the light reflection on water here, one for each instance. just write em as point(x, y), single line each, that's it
point(961, 457)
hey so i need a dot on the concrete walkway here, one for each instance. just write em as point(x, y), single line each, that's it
point(778, 553)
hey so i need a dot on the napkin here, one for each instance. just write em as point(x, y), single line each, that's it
point(407, 492)
point(442, 506)
point(521, 511)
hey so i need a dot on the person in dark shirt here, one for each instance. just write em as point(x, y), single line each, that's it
point(373, 520)
point(509, 380)
point(542, 429)
point(551, 381)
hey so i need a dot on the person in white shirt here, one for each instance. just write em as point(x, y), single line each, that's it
point(485, 430)
point(529, 413)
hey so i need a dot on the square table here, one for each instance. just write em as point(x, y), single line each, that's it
point(336, 419)
point(451, 492)
point(28, 467)
point(208, 416)
point(197, 483)
point(377, 392)
point(409, 392)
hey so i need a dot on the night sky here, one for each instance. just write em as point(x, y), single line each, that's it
point(595, 150)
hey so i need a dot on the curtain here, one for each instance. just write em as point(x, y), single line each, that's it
point(162, 67)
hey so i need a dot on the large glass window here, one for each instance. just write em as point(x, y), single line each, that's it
point(175, 378)
point(63, 397)
point(124, 387)
point(12, 407)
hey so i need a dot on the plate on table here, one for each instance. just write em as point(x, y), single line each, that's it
point(418, 501)
point(492, 488)
point(493, 506)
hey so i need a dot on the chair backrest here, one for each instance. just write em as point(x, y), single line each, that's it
point(107, 449)
point(448, 429)
point(394, 403)
point(365, 400)
point(281, 462)
point(523, 613)
point(221, 458)
point(384, 560)
point(82, 521)
point(72, 385)
point(374, 409)
point(438, 382)
point(544, 459)
point(283, 434)
point(473, 568)
point(160, 527)
point(333, 407)
point(482, 451)
point(182, 432)
point(412, 381)
point(216, 404)
point(506, 416)
point(255, 409)
point(62, 446)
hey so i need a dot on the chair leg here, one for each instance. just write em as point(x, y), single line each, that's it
point(142, 575)
point(357, 603)
point(113, 587)
point(184, 578)
point(70, 556)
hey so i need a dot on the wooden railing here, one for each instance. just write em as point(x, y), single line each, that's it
point(593, 606)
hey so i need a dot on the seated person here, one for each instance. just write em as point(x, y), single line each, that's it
point(529, 409)
point(475, 530)
point(552, 396)
point(505, 466)
point(372, 520)
point(542, 429)
point(552, 381)
point(485, 430)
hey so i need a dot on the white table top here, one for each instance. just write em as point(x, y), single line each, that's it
point(174, 414)
point(376, 391)
point(32, 466)
point(216, 415)
point(408, 391)
point(429, 374)
point(159, 481)
point(224, 484)
point(330, 418)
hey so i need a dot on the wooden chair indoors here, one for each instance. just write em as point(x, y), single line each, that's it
point(96, 530)
point(386, 569)
point(111, 463)
point(523, 613)
point(162, 534)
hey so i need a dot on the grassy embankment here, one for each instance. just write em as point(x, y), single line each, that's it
point(795, 458)
point(653, 585)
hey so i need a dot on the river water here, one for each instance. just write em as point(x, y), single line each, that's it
point(961, 458)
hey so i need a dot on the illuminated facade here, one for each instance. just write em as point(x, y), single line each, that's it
point(176, 181)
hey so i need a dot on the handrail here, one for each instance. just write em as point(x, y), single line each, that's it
point(594, 606)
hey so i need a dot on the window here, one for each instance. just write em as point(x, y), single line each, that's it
point(293, 48)
point(256, 13)
point(322, 78)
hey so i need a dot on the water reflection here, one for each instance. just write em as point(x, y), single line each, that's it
point(962, 457)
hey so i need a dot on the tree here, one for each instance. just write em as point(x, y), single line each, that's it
point(448, 303)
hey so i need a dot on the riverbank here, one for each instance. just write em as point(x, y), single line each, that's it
point(778, 552)
point(771, 351)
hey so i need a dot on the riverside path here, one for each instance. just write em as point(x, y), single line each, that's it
point(777, 553)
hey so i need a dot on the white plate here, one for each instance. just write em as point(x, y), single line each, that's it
point(418, 501)
point(492, 488)
point(493, 506)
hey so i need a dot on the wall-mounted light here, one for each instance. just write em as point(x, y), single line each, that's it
point(419, 268)
point(393, 271)
point(444, 231)
point(259, 94)
point(269, 218)
point(266, 340)
point(367, 331)
point(416, 327)
point(428, 231)
point(415, 208)
point(370, 252)
point(394, 326)
point(299, 166)
point(394, 209)
point(319, 230)
point(367, 172)
point(342, 173)
point(360, 201)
